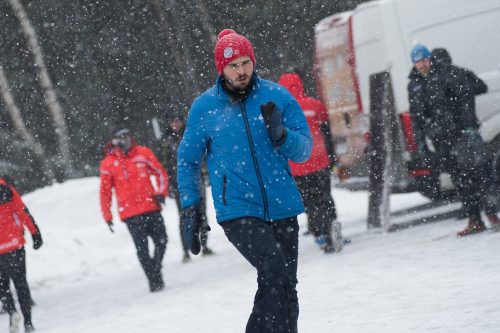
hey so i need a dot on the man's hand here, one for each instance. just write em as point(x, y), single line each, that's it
point(191, 219)
point(37, 240)
point(110, 226)
point(272, 119)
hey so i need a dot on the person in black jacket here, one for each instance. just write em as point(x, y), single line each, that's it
point(426, 124)
point(443, 110)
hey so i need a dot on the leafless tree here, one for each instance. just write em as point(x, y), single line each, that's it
point(172, 44)
point(45, 81)
point(20, 126)
point(206, 21)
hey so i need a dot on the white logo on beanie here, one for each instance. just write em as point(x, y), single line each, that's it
point(228, 52)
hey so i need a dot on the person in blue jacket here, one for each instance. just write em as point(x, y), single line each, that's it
point(249, 128)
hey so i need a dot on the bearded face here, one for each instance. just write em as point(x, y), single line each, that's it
point(238, 73)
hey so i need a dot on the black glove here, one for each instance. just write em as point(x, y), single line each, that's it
point(160, 199)
point(110, 225)
point(191, 218)
point(272, 118)
point(37, 240)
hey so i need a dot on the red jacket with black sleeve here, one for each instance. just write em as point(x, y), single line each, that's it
point(130, 177)
point(13, 218)
point(316, 115)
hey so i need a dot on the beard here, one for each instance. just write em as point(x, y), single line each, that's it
point(239, 84)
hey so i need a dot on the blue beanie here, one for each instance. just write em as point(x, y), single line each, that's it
point(419, 52)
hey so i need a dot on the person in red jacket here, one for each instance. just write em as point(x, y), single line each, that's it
point(14, 217)
point(127, 168)
point(313, 176)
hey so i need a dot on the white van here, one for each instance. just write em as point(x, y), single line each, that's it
point(378, 36)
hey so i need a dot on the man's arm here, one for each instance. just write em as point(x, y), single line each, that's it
point(161, 175)
point(23, 214)
point(417, 113)
point(8, 194)
point(324, 126)
point(461, 86)
point(189, 157)
point(29, 221)
point(298, 142)
point(478, 86)
point(105, 193)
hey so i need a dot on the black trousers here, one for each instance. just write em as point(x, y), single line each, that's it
point(13, 267)
point(320, 208)
point(476, 191)
point(272, 248)
point(475, 186)
point(142, 227)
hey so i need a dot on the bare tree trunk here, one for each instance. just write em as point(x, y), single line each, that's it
point(178, 56)
point(184, 40)
point(206, 21)
point(20, 127)
point(51, 101)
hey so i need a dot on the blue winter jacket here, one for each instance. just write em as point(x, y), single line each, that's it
point(248, 174)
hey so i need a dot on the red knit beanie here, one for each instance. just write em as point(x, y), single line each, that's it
point(230, 46)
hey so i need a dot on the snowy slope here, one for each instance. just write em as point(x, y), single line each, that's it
point(85, 279)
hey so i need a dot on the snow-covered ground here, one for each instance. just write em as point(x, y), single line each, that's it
point(85, 279)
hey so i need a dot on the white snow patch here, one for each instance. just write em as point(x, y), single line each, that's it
point(85, 279)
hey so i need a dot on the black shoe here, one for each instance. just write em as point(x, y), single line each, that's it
point(29, 328)
point(186, 258)
point(329, 249)
point(160, 285)
point(157, 286)
point(207, 252)
point(156, 283)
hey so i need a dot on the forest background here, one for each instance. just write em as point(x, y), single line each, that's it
point(71, 71)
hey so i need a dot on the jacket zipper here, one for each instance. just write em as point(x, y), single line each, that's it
point(255, 162)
